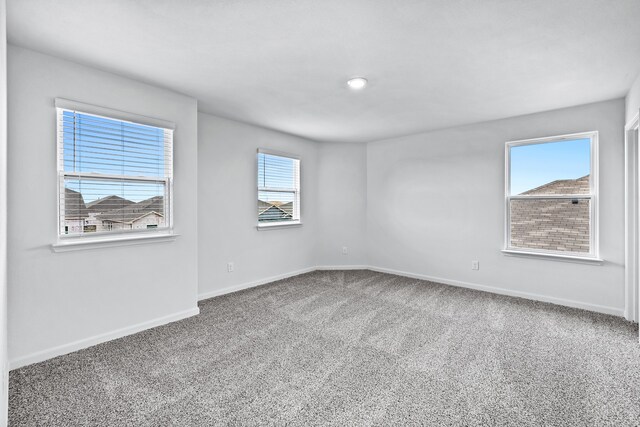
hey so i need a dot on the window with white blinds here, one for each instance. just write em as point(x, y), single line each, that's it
point(114, 175)
point(278, 189)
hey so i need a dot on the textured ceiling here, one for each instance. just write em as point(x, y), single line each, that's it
point(284, 64)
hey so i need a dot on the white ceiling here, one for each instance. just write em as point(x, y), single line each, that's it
point(283, 64)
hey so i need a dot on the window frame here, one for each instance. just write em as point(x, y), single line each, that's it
point(85, 239)
point(297, 203)
point(593, 197)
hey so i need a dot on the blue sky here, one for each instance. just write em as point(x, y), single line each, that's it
point(101, 145)
point(275, 172)
point(537, 164)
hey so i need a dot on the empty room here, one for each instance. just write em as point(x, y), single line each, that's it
point(310, 213)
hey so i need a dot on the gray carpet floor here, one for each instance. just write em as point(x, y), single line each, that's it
point(348, 348)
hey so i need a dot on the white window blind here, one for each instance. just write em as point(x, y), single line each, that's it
point(114, 175)
point(278, 189)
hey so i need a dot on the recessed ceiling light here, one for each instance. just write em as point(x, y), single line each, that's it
point(357, 83)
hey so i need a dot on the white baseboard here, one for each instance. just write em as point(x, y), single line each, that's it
point(502, 291)
point(50, 353)
point(236, 288)
point(88, 342)
point(242, 286)
point(342, 267)
point(491, 289)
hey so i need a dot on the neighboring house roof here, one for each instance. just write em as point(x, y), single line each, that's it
point(107, 204)
point(135, 211)
point(563, 186)
point(287, 207)
point(552, 224)
point(274, 213)
point(74, 206)
point(263, 206)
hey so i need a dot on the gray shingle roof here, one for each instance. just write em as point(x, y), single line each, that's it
point(108, 203)
point(553, 224)
point(74, 206)
point(563, 186)
point(274, 211)
point(132, 212)
point(263, 206)
point(287, 207)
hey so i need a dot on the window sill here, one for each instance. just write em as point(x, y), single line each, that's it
point(277, 225)
point(553, 257)
point(80, 244)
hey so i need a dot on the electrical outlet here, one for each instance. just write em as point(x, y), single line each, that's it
point(475, 265)
point(230, 267)
point(345, 250)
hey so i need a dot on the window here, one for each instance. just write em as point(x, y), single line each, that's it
point(551, 196)
point(278, 189)
point(115, 176)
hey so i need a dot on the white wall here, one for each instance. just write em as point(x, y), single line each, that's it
point(227, 207)
point(342, 194)
point(435, 202)
point(633, 100)
point(4, 368)
point(425, 204)
point(57, 299)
